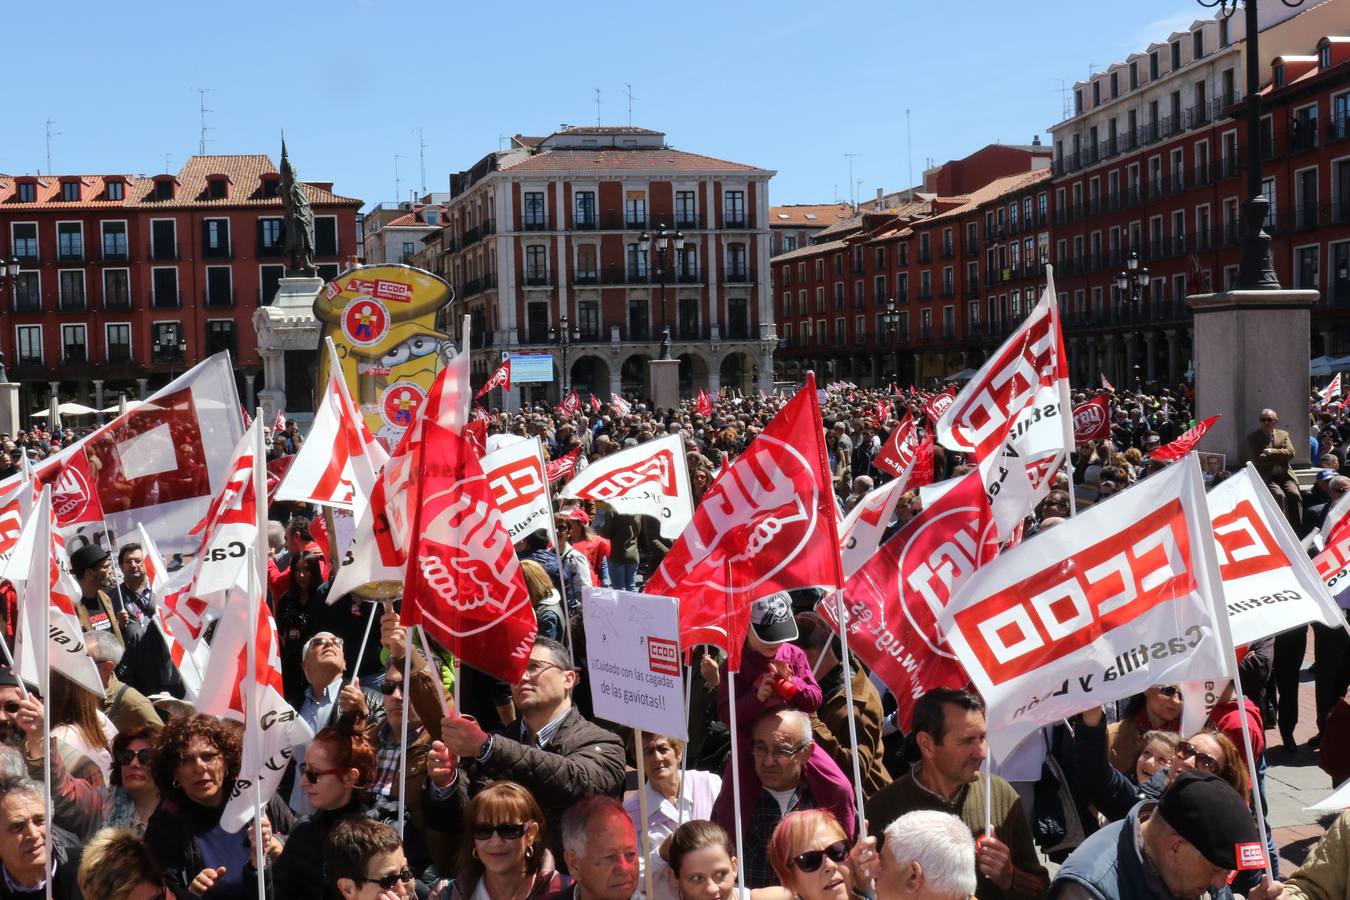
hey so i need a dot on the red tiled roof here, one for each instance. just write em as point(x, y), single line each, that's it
point(628, 160)
point(809, 215)
point(994, 189)
point(245, 173)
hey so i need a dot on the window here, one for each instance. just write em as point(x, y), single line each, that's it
point(686, 214)
point(166, 340)
point(588, 320)
point(881, 257)
point(860, 328)
point(1224, 38)
point(114, 240)
point(1197, 45)
point(27, 292)
point(806, 332)
point(116, 289)
point(409, 250)
point(71, 290)
point(637, 262)
point(164, 189)
point(116, 190)
point(269, 279)
point(164, 288)
point(70, 191)
point(821, 335)
point(972, 236)
point(325, 236)
point(217, 188)
point(1153, 66)
point(879, 290)
point(738, 319)
point(27, 192)
point(1176, 55)
point(1306, 260)
point(585, 209)
point(532, 210)
point(801, 302)
point(587, 264)
point(787, 304)
point(219, 336)
point(1134, 74)
point(164, 238)
point(1324, 56)
point(536, 264)
point(69, 241)
point(635, 209)
point(216, 238)
point(1268, 190)
point(820, 299)
point(858, 298)
point(219, 290)
point(789, 243)
point(118, 338)
point(820, 269)
point(1096, 93)
point(29, 338)
point(73, 346)
point(839, 264)
point(24, 240)
point(1077, 101)
point(733, 209)
point(838, 295)
point(1279, 74)
point(269, 237)
point(840, 332)
point(737, 270)
point(785, 329)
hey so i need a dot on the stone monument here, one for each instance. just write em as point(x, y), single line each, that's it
point(665, 375)
point(9, 402)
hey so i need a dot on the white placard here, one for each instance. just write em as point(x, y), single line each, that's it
point(633, 654)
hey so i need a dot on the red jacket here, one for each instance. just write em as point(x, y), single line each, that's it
point(279, 582)
point(1228, 721)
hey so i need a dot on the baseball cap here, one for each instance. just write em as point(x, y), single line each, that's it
point(771, 618)
point(1325, 474)
point(578, 515)
point(1206, 811)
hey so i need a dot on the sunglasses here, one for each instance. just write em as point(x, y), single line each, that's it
point(12, 707)
point(388, 687)
point(313, 775)
point(387, 882)
point(811, 859)
point(1170, 690)
point(507, 831)
point(1202, 760)
point(124, 757)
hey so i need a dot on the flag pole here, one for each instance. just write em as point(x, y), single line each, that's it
point(45, 674)
point(553, 532)
point(9, 660)
point(735, 775)
point(847, 663)
point(365, 642)
point(251, 710)
point(424, 648)
point(408, 651)
point(988, 790)
point(642, 811)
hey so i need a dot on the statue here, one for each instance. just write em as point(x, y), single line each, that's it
point(3, 377)
point(297, 230)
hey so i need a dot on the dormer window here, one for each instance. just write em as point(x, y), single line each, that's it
point(217, 187)
point(1197, 45)
point(164, 186)
point(27, 192)
point(1176, 55)
point(116, 190)
point(70, 192)
point(1279, 75)
point(1324, 56)
point(271, 184)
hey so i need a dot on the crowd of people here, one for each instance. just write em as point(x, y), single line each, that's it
point(520, 792)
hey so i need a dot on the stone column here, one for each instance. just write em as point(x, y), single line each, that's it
point(1150, 359)
point(1131, 359)
point(98, 394)
point(1173, 366)
point(714, 374)
point(143, 389)
point(251, 392)
point(1093, 368)
point(765, 371)
point(273, 397)
point(1325, 331)
point(615, 382)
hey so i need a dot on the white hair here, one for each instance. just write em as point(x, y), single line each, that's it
point(941, 844)
point(104, 646)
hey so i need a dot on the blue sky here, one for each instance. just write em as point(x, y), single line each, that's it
point(790, 85)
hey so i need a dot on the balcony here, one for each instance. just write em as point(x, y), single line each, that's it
point(72, 304)
point(1198, 116)
point(1338, 128)
point(737, 220)
point(972, 289)
point(690, 275)
point(585, 222)
point(116, 303)
point(925, 293)
point(948, 332)
point(167, 354)
point(1302, 136)
point(585, 278)
point(925, 256)
point(633, 221)
point(970, 250)
point(1340, 208)
point(535, 278)
point(948, 291)
point(170, 253)
point(270, 249)
point(1202, 176)
point(114, 254)
point(926, 333)
point(166, 300)
point(1306, 216)
point(478, 232)
point(688, 220)
point(30, 362)
point(537, 223)
point(218, 299)
point(738, 275)
point(948, 251)
point(225, 252)
point(70, 255)
point(75, 355)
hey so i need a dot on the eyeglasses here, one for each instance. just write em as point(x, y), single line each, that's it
point(782, 754)
point(327, 642)
point(313, 775)
point(811, 859)
point(1268, 419)
point(388, 687)
point(538, 667)
point(124, 757)
point(1170, 690)
point(210, 757)
point(387, 882)
point(507, 831)
point(1202, 760)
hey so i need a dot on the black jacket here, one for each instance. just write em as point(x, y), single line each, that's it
point(298, 872)
point(66, 850)
point(173, 834)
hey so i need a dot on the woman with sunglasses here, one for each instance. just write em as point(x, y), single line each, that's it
point(195, 763)
point(336, 777)
point(81, 807)
point(507, 855)
point(815, 859)
point(701, 865)
point(1156, 709)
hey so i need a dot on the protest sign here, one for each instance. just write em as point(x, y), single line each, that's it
point(633, 655)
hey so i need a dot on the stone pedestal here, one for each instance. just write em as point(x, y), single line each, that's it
point(665, 378)
point(288, 323)
point(1251, 352)
point(9, 408)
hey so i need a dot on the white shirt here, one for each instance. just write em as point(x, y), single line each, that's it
point(698, 792)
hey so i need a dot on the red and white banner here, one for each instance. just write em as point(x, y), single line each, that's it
point(939, 403)
point(16, 505)
point(595, 404)
point(703, 405)
point(766, 524)
point(515, 473)
point(562, 467)
point(228, 529)
point(1185, 443)
point(861, 530)
point(895, 598)
point(279, 424)
point(465, 585)
point(1332, 391)
point(898, 450)
point(337, 465)
point(651, 479)
point(1081, 615)
point(189, 661)
point(500, 378)
point(1106, 384)
point(1092, 421)
point(620, 405)
point(570, 406)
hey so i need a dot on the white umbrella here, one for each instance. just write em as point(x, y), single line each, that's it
point(74, 409)
point(123, 406)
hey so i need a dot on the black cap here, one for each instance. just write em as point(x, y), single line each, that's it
point(1206, 811)
point(771, 618)
point(87, 557)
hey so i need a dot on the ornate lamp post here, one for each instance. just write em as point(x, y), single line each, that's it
point(890, 320)
point(1133, 280)
point(564, 337)
point(1256, 272)
point(659, 243)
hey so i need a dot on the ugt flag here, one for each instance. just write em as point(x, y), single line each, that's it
point(1122, 599)
point(1092, 421)
point(1185, 443)
point(898, 450)
point(338, 464)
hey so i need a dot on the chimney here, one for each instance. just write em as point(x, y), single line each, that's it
point(879, 197)
point(1036, 140)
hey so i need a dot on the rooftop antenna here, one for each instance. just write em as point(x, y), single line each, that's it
point(628, 89)
point(859, 191)
point(201, 108)
point(501, 142)
point(909, 155)
point(1064, 107)
point(398, 182)
point(422, 155)
point(597, 107)
point(852, 201)
point(166, 164)
point(1092, 67)
point(50, 134)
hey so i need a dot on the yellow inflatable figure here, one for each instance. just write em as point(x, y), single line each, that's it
point(382, 320)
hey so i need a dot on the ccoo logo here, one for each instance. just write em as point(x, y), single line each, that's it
point(70, 496)
point(941, 553)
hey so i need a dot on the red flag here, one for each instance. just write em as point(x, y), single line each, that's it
point(703, 406)
point(74, 499)
point(476, 434)
point(276, 471)
point(898, 450)
point(570, 406)
point(922, 473)
point(562, 467)
point(465, 585)
point(279, 425)
point(500, 378)
point(1106, 384)
point(895, 598)
point(1184, 444)
point(939, 403)
point(248, 420)
point(595, 404)
point(1092, 421)
point(766, 524)
point(1332, 391)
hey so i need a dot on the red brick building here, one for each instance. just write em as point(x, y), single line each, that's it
point(555, 226)
point(919, 291)
point(125, 281)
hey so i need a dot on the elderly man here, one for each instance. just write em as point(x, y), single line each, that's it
point(1185, 844)
point(600, 849)
point(949, 731)
point(780, 782)
point(550, 748)
point(928, 855)
point(23, 847)
point(1272, 453)
point(127, 707)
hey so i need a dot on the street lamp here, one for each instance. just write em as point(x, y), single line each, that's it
point(1256, 272)
point(660, 242)
point(564, 337)
point(1133, 280)
point(890, 320)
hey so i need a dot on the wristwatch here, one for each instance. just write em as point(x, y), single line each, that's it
point(485, 750)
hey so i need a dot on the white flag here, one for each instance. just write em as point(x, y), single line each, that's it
point(229, 528)
point(189, 662)
point(1077, 616)
point(515, 473)
point(651, 479)
point(338, 463)
point(860, 532)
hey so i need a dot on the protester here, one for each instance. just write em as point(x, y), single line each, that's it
point(24, 855)
point(117, 865)
point(927, 855)
point(601, 851)
point(949, 733)
point(147, 665)
point(363, 859)
point(298, 611)
point(673, 796)
point(94, 572)
point(76, 720)
point(507, 857)
point(1157, 709)
point(1272, 453)
point(815, 859)
point(126, 707)
point(544, 597)
point(1325, 873)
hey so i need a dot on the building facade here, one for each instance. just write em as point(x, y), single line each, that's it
point(126, 281)
point(794, 226)
point(625, 237)
point(393, 233)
